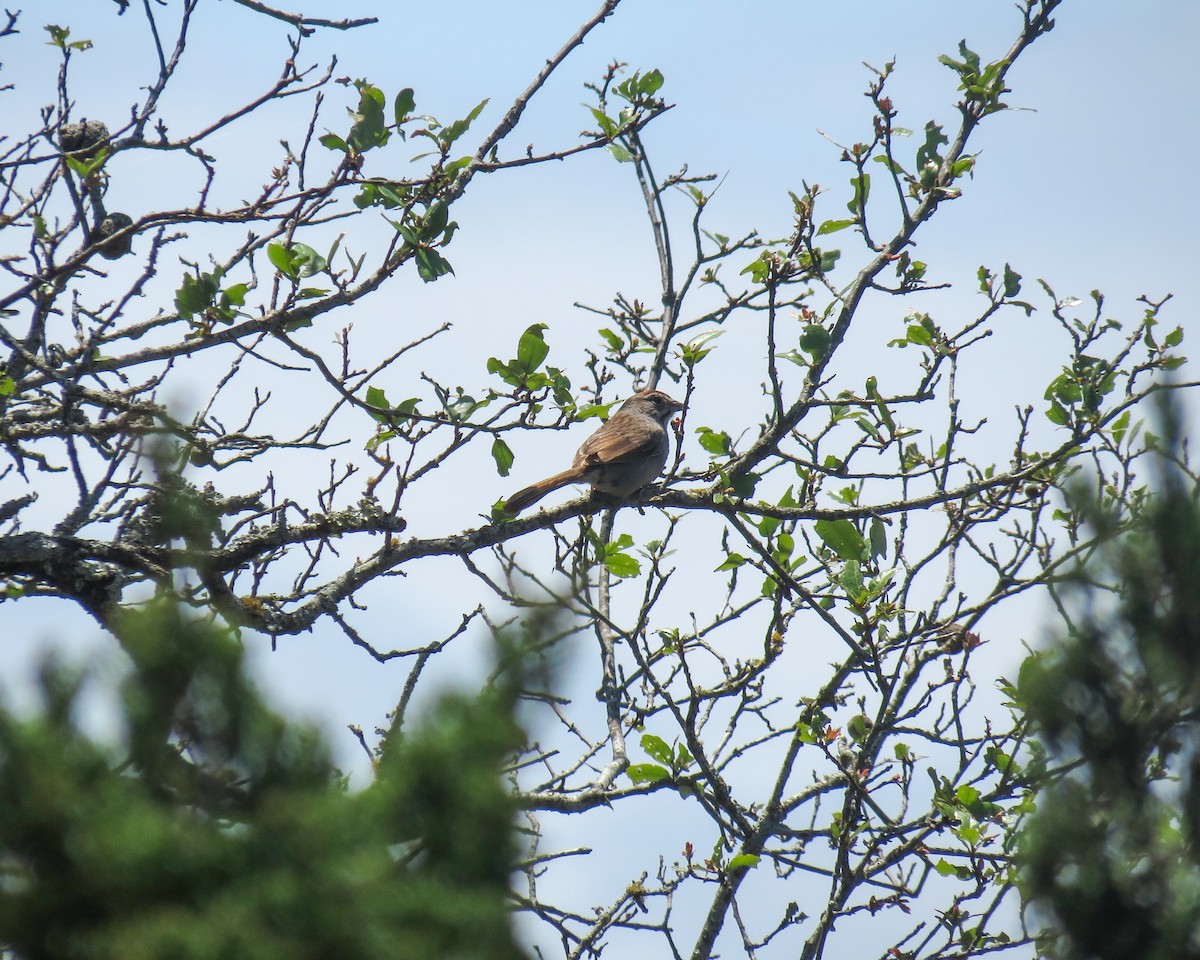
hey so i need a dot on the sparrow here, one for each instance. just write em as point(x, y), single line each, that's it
point(625, 454)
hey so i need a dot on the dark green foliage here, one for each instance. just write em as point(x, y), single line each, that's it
point(1111, 857)
point(217, 829)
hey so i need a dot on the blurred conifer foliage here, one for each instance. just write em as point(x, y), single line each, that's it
point(1111, 856)
point(212, 827)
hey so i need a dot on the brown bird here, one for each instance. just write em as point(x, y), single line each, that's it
point(625, 454)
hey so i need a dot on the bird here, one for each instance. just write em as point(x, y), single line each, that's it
point(627, 452)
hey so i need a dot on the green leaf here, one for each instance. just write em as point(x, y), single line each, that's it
point(1120, 427)
point(743, 861)
point(621, 153)
point(434, 222)
point(503, 456)
point(333, 142)
point(430, 264)
point(608, 126)
point(731, 562)
point(833, 226)
point(454, 166)
point(406, 231)
point(403, 105)
point(848, 495)
point(877, 586)
point(968, 833)
point(7, 385)
point(279, 256)
point(814, 340)
point(1057, 414)
point(615, 343)
point(196, 293)
point(1002, 761)
point(842, 537)
point(561, 386)
point(881, 407)
point(369, 128)
point(851, 579)
point(861, 184)
point(503, 370)
point(236, 295)
point(878, 533)
point(927, 153)
point(459, 127)
point(716, 443)
point(887, 161)
point(58, 38)
point(393, 195)
point(532, 348)
point(640, 87)
point(768, 525)
point(84, 167)
point(657, 748)
point(650, 84)
point(379, 439)
point(923, 333)
point(646, 772)
point(961, 166)
point(695, 350)
point(967, 795)
point(622, 564)
point(386, 195)
point(917, 334)
point(594, 410)
point(306, 260)
point(377, 398)
point(947, 869)
point(742, 485)
point(1012, 282)
point(760, 267)
point(460, 406)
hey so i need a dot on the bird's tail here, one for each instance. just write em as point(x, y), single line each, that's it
point(532, 494)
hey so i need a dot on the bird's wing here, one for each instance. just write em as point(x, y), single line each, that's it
point(612, 447)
